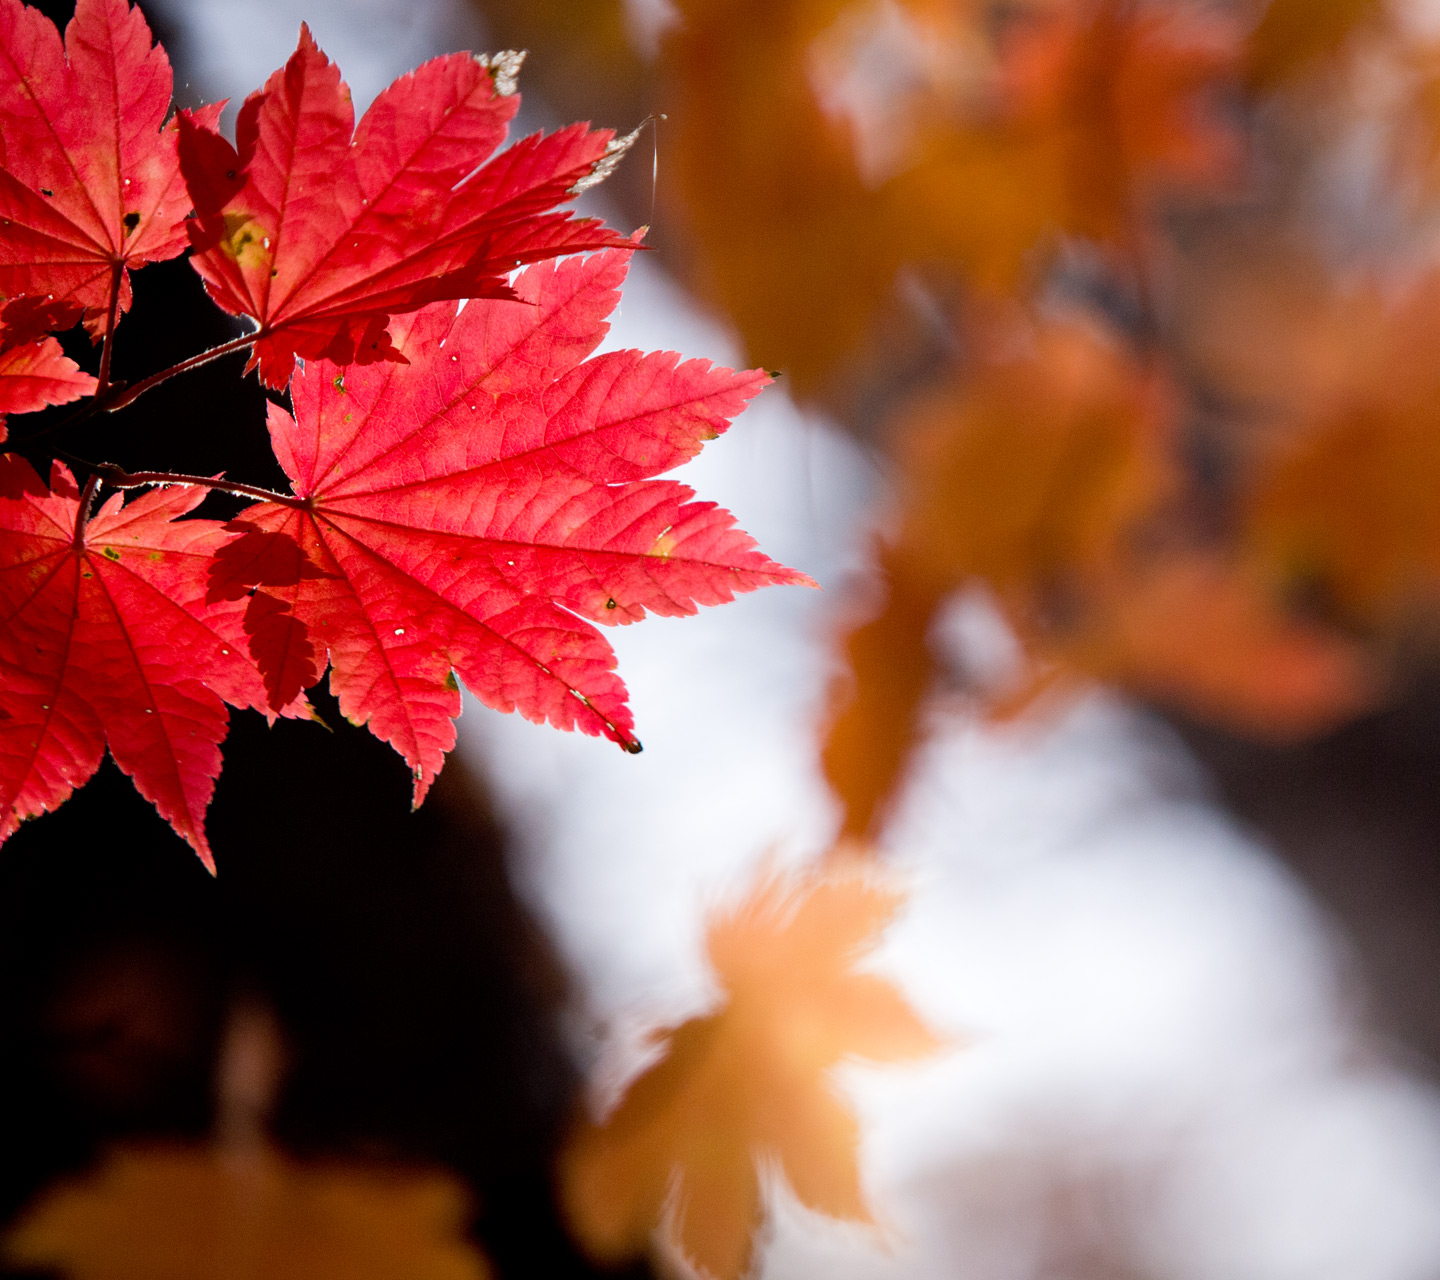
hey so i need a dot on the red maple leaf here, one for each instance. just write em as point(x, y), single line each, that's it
point(34, 371)
point(476, 509)
point(35, 374)
point(320, 238)
point(91, 183)
point(108, 638)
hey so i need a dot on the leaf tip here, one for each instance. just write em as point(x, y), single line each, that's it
point(504, 69)
point(614, 151)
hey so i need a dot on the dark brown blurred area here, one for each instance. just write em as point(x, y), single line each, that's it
point(1357, 815)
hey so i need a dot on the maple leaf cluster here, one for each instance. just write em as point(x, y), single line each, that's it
point(472, 488)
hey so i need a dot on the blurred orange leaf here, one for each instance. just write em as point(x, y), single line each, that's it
point(1035, 476)
point(1040, 466)
point(683, 1152)
point(1123, 95)
point(175, 1213)
point(1049, 477)
point(1296, 36)
point(856, 138)
point(877, 702)
point(1344, 506)
point(1195, 634)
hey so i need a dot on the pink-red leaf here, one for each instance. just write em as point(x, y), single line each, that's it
point(35, 374)
point(473, 511)
point(90, 183)
point(34, 371)
point(108, 639)
point(321, 238)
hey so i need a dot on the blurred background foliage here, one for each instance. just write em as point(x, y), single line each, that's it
point(1136, 303)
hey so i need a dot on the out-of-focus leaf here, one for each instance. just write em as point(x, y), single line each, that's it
point(681, 1156)
point(1197, 634)
point(1049, 479)
point(854, 139)
point(1033, 476)
point(1345, 507)
point(1295, 36)
point(174, 1213)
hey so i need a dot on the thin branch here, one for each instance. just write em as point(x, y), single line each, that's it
point(128, 395)
point(110, 317)
point(118, 478)
point(82, 517)
point(86, 410)
point(119, 395)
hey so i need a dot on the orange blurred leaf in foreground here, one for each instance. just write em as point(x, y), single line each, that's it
point(176, 1213)
point(683, 1153)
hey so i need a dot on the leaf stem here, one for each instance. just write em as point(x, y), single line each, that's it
point(82, 517)
point(118, 478)
point(103, 381)
point(129, 395)
point(119, 395)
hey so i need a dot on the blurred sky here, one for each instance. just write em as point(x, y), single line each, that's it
point(1162, 1067)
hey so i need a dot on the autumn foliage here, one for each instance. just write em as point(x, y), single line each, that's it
point(683, 1155)
point(174, 1213)
point(470, 493)
point(1151, 389)
point(1151, 399)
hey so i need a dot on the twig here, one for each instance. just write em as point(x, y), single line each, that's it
point(103, 382)
point(118, 478)
point(82, 517)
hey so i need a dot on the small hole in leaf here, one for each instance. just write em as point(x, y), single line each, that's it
point(45, 191)
point(131, 220)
